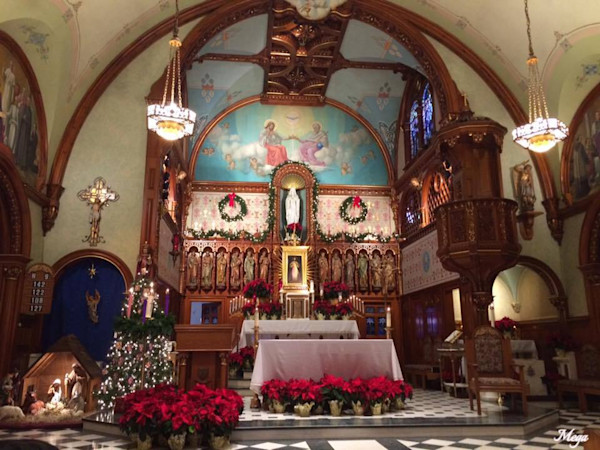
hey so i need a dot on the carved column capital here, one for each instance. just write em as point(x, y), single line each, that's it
point(50, 211)
point(13, 272)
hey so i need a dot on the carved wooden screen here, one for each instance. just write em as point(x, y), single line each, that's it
point(439, 192)
point(411, 214)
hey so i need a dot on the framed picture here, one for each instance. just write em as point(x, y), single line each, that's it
point(295, 267)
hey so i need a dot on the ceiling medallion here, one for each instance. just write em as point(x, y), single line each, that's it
point(315, 9)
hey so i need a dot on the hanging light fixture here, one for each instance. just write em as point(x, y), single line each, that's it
point(172, 121)
point(542, 132)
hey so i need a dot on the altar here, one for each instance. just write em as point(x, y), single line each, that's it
point(298, 329)
point(285, 359)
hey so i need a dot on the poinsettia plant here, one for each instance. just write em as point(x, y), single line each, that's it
point(294, 228)
point(275, 389)
point(344, 309)
point(332, 388)
point(304, 391)
point(258, 289)
point(271, 309)
point(236, 360)
point(505, 324)
point(377, 389)
point(247, 354)
point(323, 307)
point(332, 289)
point(356, 390)
point(562, 341)
point(248, 309)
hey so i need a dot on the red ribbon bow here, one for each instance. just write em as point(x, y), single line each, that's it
point(356, 202)
point(232, 200)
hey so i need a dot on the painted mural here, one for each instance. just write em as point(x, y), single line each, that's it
point(248, 143)
point(18, 119)
point(584, 173)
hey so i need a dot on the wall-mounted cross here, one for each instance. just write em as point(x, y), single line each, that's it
point(97, 195)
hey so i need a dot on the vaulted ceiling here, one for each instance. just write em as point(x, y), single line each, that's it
point(70, 43)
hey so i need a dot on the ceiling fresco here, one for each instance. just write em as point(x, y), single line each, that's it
point(244, 38)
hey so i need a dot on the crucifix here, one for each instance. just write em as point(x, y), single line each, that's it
point(97, 195)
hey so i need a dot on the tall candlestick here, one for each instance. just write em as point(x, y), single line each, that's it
point(388, 318)
point(129, 302)
point(167, 299)
point(144, 312)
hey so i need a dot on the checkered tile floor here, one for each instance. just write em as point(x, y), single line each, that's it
point(426, 404)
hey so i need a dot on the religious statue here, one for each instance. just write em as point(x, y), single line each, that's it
point(207, 268)
point(92, 304)
point(236, 263)
point(54, 392)
point(349, 266)
point(389, 284)
point(97, 195)
point(74, 387)
point(249, 263)
point(7, 393)
point(376, 272)
point(264, 262)
point(323, 268)
point(336, 267)
point(221, 268)
point(363, 269)
point(145, 259)
point(192, 263)
point(523, 184)
point(292, 207)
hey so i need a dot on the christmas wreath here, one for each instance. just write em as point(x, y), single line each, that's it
point(355, 202)
point(230, 200)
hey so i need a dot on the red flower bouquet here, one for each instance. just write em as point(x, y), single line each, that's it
point(258, 289)
point(344, 309)
point(323, 307)
point(505, 324)
point(562, 341)
point(332, 289)
point(294, 228)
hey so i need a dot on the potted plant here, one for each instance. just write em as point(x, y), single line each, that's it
point(247, 354)
point(344, 310)
point(176, 418)
point(561, 343)
point(376, 392)
point(333, 289)
point(322, 309)
point(304, 395)
point(236, 361)
point(332, 389)
point(276, 395)
point(506, 325)
point(356, 390)
point(248, 310)
point(258, 289)
point(276, 311)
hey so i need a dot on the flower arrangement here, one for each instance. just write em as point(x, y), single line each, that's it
point(332, 388)
point(323, 307)
point(247, 354)
point(248, 309)
point(258, 289)
point(235, 360)
point(505, 324)
point(332, 289)
point(304, 391)
point(294, 228)
point(344, 309)
point(275, 390)
point(562, 341)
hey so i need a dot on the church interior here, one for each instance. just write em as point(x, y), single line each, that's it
point(391, 205)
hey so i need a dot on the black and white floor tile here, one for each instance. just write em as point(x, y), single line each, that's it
point(429, 404)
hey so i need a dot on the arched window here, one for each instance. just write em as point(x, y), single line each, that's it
point(420, 123)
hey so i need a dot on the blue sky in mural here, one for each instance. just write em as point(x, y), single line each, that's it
point(243, 38)
point(340, 151)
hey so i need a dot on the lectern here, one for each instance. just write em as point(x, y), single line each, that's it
point(203, 351)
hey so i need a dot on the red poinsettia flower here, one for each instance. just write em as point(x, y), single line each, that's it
point(258, 289)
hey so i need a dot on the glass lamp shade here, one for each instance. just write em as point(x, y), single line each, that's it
point(171, 122)
point(541, 134)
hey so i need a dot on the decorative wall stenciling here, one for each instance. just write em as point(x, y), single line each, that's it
point(248, 143)
point(379, 220)
point(203, 212)
point(421, 268)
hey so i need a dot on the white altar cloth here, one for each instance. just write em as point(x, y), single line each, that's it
point(290, 358)
point(298, 329)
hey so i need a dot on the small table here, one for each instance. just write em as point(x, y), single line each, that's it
point(285, 359)
point(298, 329)
point(454, 354)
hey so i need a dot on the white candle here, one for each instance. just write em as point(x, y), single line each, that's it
point(492, 315)
point(339, 296)
point(256, 316)
point(149, 306)
point(312, 286)
point(388, 318)
point(321, 293)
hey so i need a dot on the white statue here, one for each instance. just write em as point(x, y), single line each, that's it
point(292, 207)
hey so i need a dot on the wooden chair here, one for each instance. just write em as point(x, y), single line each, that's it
point(490, 367)
point(588, 366)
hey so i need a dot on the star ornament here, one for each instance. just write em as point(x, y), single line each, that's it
point(92, 271)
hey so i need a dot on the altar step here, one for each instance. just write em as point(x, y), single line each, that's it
point(241, 385)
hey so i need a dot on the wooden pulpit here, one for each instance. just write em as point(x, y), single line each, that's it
point(202, 354)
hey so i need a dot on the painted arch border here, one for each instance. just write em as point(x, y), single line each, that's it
point(63, 263)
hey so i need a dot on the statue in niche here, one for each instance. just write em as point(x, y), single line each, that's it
point(349, 267)
point(323, 268)
point(363, 272)
point(221, 268)
point(193, 262)
point(249, 263)
point(523, 185)
point(292, 207)
point(264, 263)
point(389, 284)
point(336, 268)
point(236, 269)
point(376, 272)
point(207, 268)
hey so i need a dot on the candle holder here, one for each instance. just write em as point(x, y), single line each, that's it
point(388, 332)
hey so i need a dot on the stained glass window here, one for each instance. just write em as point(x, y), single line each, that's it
point(414, 129)
point(427, 115)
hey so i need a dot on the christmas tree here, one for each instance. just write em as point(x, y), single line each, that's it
point(139, 355)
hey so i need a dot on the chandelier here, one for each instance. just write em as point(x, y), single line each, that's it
point(171, 120)
point(542, 132)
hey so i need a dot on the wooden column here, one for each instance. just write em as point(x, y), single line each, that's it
point(11, 282)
